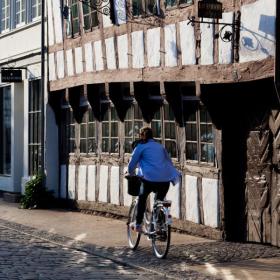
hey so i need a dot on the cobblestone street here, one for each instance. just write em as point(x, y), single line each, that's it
point(25, 257)
point(59, 244)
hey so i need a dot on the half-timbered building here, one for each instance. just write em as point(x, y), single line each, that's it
point(206, 89)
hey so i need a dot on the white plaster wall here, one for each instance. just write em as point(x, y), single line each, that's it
point(170, 45)
point(50, 24)
point(52, 73)
point(71, 181)
point(153, 47)
point(257, 35)
point(82, 182)
point(91, 183)
point(122, 51)
point(98, 56)
point(137, 38)
point(103, 184)
point(89, 57)
point(110, 53)
point(174, 195)
point(106, 18)
point(24, 42)
point(57, 21)
point(225, 48)
point(60, 64)
point(127, 199)
point(192, 210)
point(115, 185)
point(63, 181)
point(78, 60)
point(187, 39)
point(69, 61)
point(207, 44)
point(120, 11)
point(210, 201)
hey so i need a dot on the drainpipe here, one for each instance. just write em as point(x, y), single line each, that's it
point(43, 87)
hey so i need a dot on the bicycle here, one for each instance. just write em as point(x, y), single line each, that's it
point(157, 227)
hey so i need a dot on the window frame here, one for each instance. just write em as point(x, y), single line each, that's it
point(34, 125)
point(110, 122)
point(6, 172)
point(178, 3)
point(37, 4)
point(90, 14)
point(144, 10)
point(7, 19)
point(22, 12)
point(86, 122)
point(198, 108)
point(135, 135)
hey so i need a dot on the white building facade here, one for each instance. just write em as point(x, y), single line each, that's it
point(20, 117)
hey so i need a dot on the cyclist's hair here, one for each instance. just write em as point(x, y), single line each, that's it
point(147, 132)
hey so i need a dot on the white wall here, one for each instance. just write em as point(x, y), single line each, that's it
point(257, 35)
point(25, 41)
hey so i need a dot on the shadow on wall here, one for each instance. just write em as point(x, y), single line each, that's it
point(251, 40)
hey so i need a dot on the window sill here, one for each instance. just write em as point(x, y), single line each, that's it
point(23, 27)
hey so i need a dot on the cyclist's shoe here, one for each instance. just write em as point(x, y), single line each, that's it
point(138, 228)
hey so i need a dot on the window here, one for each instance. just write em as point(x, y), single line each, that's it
point(148, 7)
point(88, 133)
point(34, 121)
point(132, 123)
point(173, 3)
point(199, 133)
point(68, 131)
point(36, 8)
point(5, 131)
point(20, 12)
point(90, 14)
point(110, 136)
point(164, 129)
point(5, 15)
point(74, 17)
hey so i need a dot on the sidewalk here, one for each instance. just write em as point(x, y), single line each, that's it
point(189, 257)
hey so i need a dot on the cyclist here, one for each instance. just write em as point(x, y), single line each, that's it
point(154, 167)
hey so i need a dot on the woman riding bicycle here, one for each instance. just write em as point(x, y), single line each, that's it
point(154, 167)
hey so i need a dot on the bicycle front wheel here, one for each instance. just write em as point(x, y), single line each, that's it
point(132, 235)
point(161, 237)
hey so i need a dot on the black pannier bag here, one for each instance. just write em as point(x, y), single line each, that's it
point(133, 185)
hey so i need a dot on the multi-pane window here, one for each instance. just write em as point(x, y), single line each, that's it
point(199, 134)
point(146, 7)
point(36, 8)
point(5, 131)
point(20, 11)
point(164, 129)
point(132, 123)
point(110, 136)
point(74, 16)
point(173, 3)
point(34, 121)
point(5, 15)
point(67, 131)
point(88, 133)
point(90, 14)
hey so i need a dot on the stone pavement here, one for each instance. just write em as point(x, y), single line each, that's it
point(189, 257)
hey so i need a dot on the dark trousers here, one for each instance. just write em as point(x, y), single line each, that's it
point(159, 188)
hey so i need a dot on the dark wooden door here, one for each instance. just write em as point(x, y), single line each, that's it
point(258, 186)
point(274, 124)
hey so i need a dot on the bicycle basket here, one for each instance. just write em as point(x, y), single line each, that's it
point(133, 185)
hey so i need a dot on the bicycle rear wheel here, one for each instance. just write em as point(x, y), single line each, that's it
point(132, 235)
point(161, 238)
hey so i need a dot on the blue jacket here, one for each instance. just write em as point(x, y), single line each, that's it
point(153, 162)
